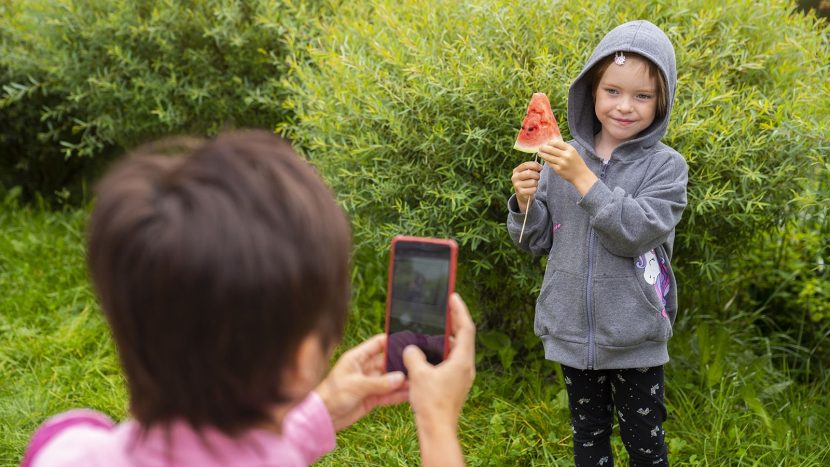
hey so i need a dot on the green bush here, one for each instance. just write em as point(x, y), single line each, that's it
point(787, 281)
point(82, 79)
point(411, 109)
point(30, 155)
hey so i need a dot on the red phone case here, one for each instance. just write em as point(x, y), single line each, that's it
point(453, 247)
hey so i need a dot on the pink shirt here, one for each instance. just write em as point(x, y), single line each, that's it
point(86, 437)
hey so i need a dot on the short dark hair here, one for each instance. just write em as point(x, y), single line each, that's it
point(662, 91)
point(211, 266)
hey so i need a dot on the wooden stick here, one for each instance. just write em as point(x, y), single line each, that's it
point(527, 208)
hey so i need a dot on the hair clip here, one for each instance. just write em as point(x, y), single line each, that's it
point(619, 58)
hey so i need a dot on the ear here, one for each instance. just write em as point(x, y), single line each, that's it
point(307, 367)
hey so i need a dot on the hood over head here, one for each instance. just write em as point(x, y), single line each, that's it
point(640, 37)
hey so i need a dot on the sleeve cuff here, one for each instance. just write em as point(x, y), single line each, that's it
point(327, 433)
point(513, 205)
point(309, 427)
point(515, 217)
point(597, 198)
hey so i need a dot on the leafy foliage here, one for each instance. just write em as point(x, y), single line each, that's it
point(410, 110)
point(84, 78)
point(788, 280)
point(751, 120)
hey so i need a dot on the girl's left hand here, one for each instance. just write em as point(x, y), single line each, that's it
point(357, 383)
point(566, 161)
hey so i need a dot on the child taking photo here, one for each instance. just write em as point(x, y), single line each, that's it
point(223, 273)
point(604, 208)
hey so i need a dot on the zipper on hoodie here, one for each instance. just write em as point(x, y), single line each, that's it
point(589, 289)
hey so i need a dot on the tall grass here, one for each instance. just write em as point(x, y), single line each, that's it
point(730, 401)
point(55, 350)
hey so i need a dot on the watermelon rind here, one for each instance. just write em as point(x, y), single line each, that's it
point(528, 149)
point(534, 149)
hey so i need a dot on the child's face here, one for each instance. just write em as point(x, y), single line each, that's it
point(625, 100)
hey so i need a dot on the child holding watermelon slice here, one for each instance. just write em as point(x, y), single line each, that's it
point(604, 209)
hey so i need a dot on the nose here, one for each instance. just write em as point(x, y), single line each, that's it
point(624, 105)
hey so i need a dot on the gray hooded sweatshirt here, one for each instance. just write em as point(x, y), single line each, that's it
point(609, 296)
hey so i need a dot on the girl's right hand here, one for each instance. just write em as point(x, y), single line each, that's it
point(437, 393)
point(525, 180)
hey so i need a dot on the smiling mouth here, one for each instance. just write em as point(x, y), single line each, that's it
point(623, 121)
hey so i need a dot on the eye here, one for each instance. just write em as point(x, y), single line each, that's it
point(612, 91)
point(644, 97)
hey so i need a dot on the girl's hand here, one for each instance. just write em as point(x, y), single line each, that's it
point(357, 383)
point(525, 180)
point(566, 161)
point(437, 393)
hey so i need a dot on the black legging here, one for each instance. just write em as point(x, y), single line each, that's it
point(637, 395)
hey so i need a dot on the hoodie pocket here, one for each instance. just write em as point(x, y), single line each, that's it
point(628, 312)
point(560, 309)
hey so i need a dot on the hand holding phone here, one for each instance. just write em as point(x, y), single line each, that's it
point(421, 281)
point(437, 393)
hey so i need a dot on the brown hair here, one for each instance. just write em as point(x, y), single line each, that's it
point(210, 268)
point(653, 71)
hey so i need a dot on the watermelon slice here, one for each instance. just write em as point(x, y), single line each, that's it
point(539, 125)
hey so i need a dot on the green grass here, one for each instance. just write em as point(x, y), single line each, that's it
point(55, 350)
point(731, 401)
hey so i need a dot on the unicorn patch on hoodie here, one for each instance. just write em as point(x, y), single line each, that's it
point(656, 273)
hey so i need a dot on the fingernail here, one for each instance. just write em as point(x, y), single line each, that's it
point(394, 378)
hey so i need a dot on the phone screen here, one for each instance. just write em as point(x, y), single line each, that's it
point(418, 301)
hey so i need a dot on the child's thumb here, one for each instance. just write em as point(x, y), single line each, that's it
point(413, 358)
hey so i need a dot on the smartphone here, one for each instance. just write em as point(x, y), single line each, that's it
point(421, 280)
